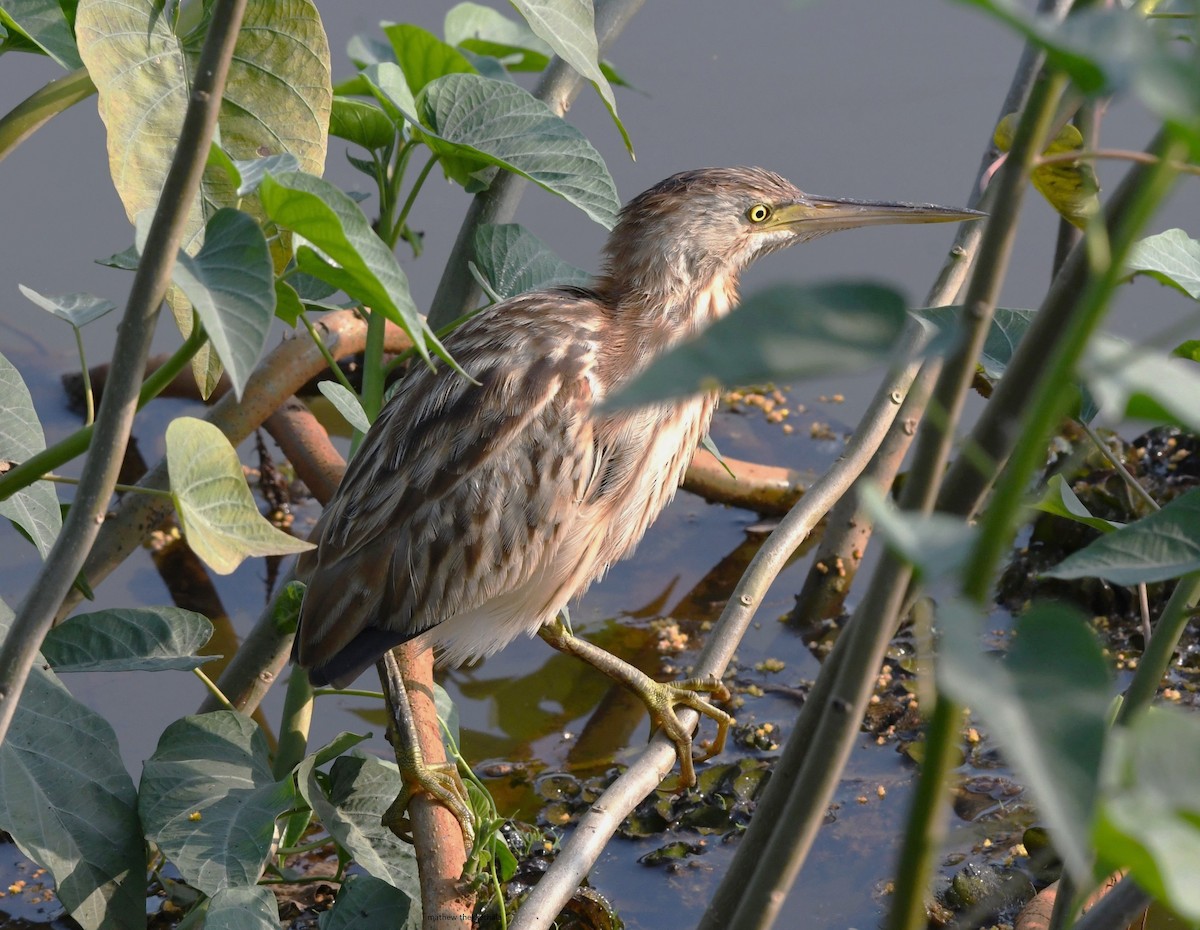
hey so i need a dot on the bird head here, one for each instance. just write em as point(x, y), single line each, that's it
point(697, 230)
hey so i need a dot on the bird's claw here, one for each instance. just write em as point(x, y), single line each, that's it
point(662, 700)
point(442, 783)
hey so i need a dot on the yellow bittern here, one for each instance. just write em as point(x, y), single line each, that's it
point(474, 512)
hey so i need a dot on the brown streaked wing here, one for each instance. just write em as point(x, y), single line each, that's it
point(459, 490)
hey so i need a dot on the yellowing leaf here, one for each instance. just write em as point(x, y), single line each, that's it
point(1071, 187)
point(216, 510)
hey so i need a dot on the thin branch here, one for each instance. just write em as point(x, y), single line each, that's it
point(115, 418)
point(1129, 155)
point(1156, 657)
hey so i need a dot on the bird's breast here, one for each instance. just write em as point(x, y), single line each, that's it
point(667, 436)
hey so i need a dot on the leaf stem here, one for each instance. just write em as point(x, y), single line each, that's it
point(1132, 155)
point(1156, 658)
point(89, 398)
point(123, 488)
point(214, 690)
point(334, 368)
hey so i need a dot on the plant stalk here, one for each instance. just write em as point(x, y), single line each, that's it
point(115, 418)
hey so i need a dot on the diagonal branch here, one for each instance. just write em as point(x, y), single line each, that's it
point(115, 418)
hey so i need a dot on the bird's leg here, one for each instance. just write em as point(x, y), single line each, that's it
point(442, 782)
point(660, 698)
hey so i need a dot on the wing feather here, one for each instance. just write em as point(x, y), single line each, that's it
point(460, 492)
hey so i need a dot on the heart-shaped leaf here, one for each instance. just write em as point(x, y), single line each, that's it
point(1171, 257)
point(216, 510)
point(76, 309)
point(351, 257)
point(366, 894)
point(347, 404)
point(1046, 704)
point(569, 27)
point(208, 799)
point(242, 908)
point(360, 790)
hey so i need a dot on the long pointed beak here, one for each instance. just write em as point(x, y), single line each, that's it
point(816, 215)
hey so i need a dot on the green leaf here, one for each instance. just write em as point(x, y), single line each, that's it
point(340, 744)
point(935, 544)
point(125, 260)
point(1061, 501)
point(35, 508)
point(422, 56)
point(1131, 382)
point(129, 639)
point(1171, 257)
point(1149, 821)
point(1189, 349)
point(569, 27)
point(473, 122)
point(347, 404)
point(231, 284)
point(361, 123)
point(69, 803)
point(244, 908)
point(216, 509)
point(365, 894)
point(360, 790)
point(780, 334)
point(1046, 704)
point(485, 31)
point(76, 309)
point(1159, 546)
point(1005, 333)
point(364, 51)
point(514, 260)
point(354, 258)
point(44, 24)
point(208, 800)
point(288, 306)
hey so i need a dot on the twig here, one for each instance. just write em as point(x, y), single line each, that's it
point(1130, 155)
point(115, 418)
point(1156, 657)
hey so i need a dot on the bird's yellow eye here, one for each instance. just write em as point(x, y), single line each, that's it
point(758, 213)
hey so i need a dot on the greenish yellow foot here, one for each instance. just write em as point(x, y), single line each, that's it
point(442, 783)
point(661, 698)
